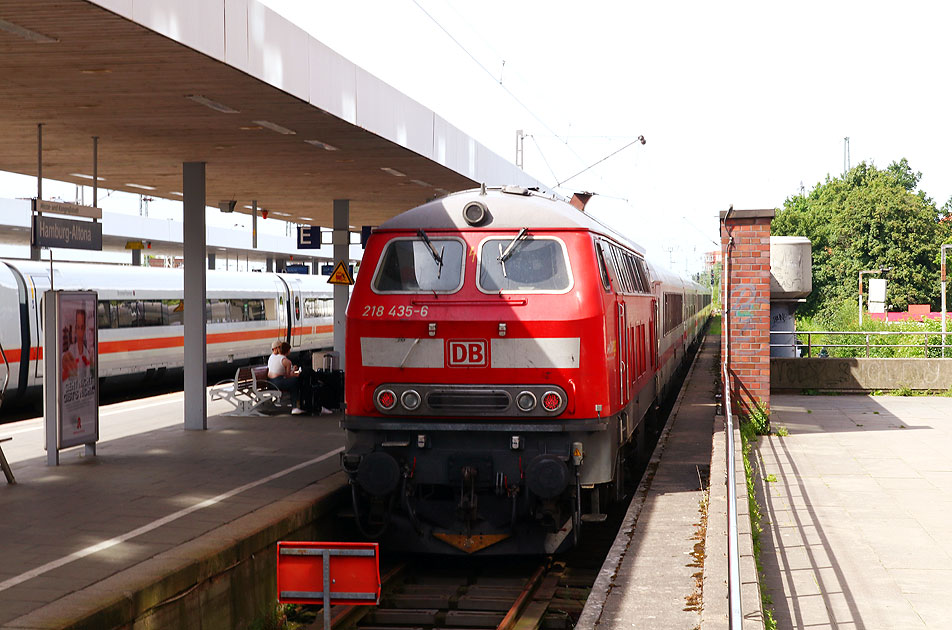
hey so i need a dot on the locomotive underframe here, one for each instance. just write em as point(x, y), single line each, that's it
point(472, 480)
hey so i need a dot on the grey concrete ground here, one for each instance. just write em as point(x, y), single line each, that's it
point(152, 487)
point(858, 509)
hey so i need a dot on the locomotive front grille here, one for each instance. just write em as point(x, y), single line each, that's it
point(468, 401)
point(446, 400)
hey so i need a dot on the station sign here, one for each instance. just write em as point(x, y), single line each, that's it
point(328, 269)
point(51, 232)
point(308, 237)
point(68, 209)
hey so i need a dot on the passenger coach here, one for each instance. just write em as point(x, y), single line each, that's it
point(504, 351)
point(140, 316)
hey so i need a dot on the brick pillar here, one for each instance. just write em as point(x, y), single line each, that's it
point(748, 266)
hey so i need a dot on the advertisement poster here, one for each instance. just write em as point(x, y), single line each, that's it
point(77, 370)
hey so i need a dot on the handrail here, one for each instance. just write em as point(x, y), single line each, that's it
point(733, 545)
point(872, 333)
point(735, 614)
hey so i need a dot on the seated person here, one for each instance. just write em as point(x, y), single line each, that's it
point(284, 375)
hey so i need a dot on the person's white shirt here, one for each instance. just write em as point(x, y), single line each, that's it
point(83, 359)
point(276, 366)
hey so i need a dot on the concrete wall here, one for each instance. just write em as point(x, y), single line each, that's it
point(860, 374)
point(222, 580)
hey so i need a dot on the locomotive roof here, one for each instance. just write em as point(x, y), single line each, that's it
point(511, 208)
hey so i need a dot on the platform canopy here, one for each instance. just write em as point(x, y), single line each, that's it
point(276, 115)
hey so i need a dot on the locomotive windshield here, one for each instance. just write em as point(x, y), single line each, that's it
point(415, 265)
point(534, 264)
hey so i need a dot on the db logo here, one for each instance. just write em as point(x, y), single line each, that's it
point(467, 353)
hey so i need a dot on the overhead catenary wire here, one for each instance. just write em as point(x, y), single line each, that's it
point(640, 139)
point(495, 79)
point(542, 154)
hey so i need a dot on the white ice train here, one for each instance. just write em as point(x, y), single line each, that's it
point(140, 315)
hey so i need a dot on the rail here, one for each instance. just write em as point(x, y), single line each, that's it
point(809, 345)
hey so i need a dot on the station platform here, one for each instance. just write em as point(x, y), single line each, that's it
point(96, 538)
point(670, 552)
point(857, 506)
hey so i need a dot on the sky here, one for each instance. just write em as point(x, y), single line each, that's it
point(740, 103)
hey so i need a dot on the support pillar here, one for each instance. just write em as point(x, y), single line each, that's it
point(34, 250)
point(193, 215)
point(745, 342)
point(254, 224)
point(137, 258)
point(269, 264)
point(211, 261)
point(341, 241)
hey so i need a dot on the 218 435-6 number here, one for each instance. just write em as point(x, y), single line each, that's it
point(379, 310)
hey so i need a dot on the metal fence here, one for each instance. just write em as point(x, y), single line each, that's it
point(807, 349)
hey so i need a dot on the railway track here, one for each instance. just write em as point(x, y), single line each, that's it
point(487, 596)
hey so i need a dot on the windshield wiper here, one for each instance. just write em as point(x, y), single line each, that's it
point(511, 249)
point(437, 255)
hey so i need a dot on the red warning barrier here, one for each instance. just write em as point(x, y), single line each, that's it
point(351, 569)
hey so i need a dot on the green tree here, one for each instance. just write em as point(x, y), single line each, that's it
point(867, 219)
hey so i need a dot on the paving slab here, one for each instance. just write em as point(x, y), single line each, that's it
point(856, 524)
point(153, 497)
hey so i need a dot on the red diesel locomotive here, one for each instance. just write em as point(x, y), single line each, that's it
point(505, 351)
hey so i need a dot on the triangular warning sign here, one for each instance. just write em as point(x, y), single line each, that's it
point(340, 275)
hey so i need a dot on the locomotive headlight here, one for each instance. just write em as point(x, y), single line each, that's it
point(551, 401)
point(475, 212)
point(526, 401)
point(386, 399)
point(410, 399)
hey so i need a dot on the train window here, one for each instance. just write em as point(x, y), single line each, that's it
point(174, 312)
point(622, 270)
point(318, 307)
point(602, 267)
point(105, 315)
point(673, 311)
point(536, 265)
point(642, 270)
point(254, 311)
point(151, 313)
point(408, 265)
point(237, 310)
point(638, 282)
point(127, 312)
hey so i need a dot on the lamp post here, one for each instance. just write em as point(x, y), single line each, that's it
point(867, 271)
point(942, 277)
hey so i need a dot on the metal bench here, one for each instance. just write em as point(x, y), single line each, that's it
point(248, 392)
point(3, 462)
